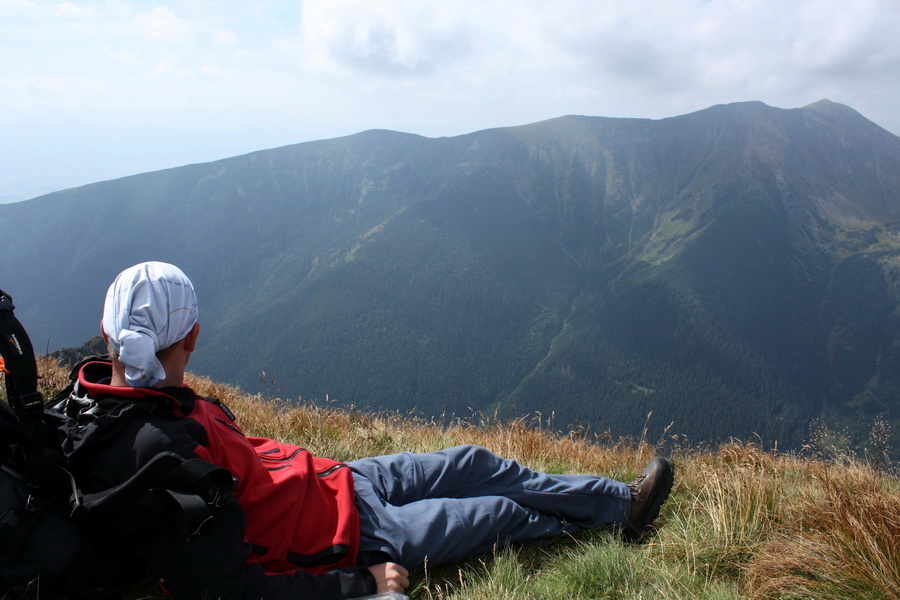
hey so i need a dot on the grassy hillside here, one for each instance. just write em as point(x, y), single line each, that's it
point(741, 523)
point(735, 270)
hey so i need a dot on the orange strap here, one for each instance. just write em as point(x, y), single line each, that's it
point(3, 366)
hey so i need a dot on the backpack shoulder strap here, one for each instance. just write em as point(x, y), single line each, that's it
point(20, 369)
point(50, 474)
point(21, 378)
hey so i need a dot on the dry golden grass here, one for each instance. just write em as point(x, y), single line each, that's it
point(741, 522)
point(53, 377)
point(840, 540)
point(346, 433)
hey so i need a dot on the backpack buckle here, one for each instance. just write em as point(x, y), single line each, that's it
point(217, 497)
point(32, 402)
point(35, 505)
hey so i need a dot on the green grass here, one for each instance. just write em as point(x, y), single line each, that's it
point(741, 523)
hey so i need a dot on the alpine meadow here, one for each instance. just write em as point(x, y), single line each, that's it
point(732, 272)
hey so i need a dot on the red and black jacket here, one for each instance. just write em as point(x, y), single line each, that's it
point(293, 530)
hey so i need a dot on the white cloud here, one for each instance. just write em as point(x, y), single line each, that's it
point(17, 4)
point(225, 37)
point(861, 42)
point(70, 10)
point(123, 56)
point(210, 72)
point(161, 25)
point(399, 38)
point(331, 67)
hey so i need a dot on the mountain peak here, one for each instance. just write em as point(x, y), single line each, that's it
point(826, 104)
point(832, 109)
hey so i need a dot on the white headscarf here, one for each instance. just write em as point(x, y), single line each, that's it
point(148, 308)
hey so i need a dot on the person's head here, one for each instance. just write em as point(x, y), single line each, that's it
point(150, 324)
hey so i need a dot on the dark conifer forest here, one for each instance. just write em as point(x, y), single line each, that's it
point(732, 271)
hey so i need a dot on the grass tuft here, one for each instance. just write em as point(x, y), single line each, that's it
point(841, 540)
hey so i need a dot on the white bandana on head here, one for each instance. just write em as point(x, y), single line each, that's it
point(148, 308)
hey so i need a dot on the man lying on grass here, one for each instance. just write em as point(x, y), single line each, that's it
point(300, 526)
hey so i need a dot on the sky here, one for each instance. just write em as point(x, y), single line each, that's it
point(99, 89)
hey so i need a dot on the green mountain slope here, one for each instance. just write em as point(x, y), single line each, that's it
point(732, 270)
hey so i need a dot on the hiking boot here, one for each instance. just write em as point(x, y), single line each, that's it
point(648, 492)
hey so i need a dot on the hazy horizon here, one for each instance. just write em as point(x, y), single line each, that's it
point(96, 90)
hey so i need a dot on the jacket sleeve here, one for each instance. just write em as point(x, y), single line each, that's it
point(214, 566)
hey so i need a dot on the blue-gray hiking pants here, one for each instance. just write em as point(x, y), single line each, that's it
point(444, 506)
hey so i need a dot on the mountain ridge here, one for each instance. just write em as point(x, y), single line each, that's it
point(734, 269)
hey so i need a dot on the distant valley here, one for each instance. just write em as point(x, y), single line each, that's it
point(732, 271)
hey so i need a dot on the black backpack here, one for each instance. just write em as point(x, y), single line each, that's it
point(57, 542)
